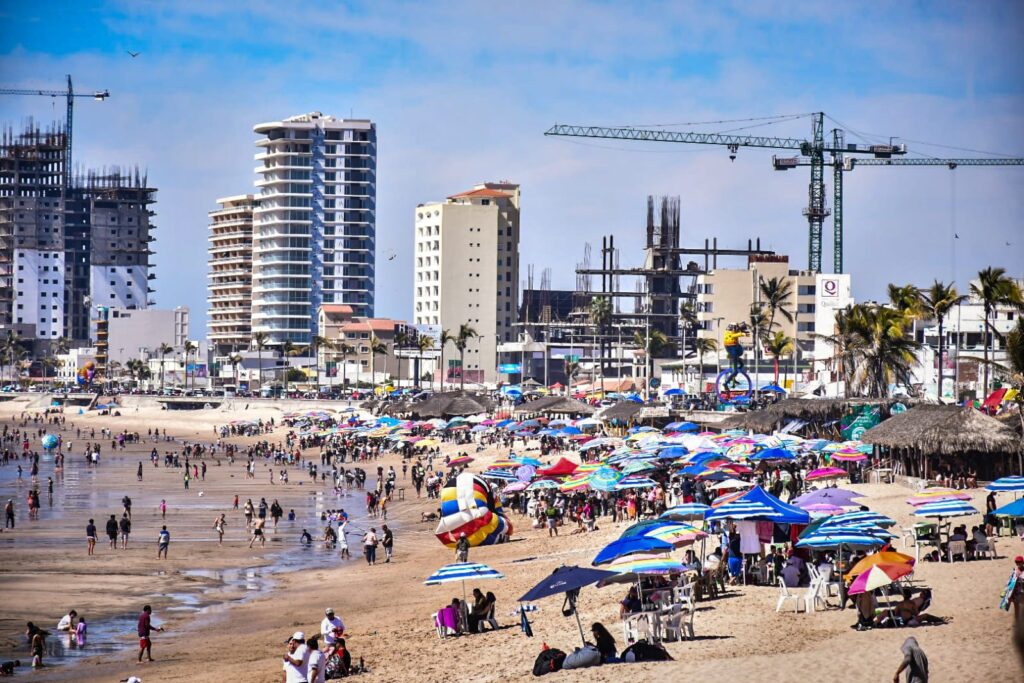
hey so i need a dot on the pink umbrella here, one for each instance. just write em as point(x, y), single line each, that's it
point(849, 456)
point(458, 462)
point(826, 473)
point(515, 486)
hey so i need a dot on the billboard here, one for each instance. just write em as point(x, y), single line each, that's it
point(510, 368)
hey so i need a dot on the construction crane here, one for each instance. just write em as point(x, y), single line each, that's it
point(811, 153)
point(70, 94)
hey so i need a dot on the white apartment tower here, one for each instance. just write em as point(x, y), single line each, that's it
point(314, 224)
point(230, 276)
point(467, 272)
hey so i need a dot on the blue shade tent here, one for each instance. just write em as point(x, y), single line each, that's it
point(1014, 509)
point(629, 546)
point(759, 504)
point(1007, 484)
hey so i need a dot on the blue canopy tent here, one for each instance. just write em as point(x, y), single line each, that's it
point(1014, 509)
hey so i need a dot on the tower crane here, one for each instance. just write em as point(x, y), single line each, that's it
point(811, 153)
point(70, 94)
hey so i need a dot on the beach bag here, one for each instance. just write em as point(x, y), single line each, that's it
point(547, 661)
point(582, 658)
point(642, 651)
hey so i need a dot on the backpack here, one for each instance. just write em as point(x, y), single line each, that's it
point(547, 661)
point(642, 651)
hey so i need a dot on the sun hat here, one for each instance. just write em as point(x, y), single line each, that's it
point(298, 635)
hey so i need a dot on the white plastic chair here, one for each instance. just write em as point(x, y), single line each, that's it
point(671, 626)
point(954, 548)
point(687, 623)
point(785, 595)
point(813, 595)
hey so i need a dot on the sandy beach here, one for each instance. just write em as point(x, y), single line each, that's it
point(227, 609)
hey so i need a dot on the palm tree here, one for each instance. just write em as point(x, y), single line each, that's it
point(260, 341)
point(9, 348)
point(236, 360)
point(425, 343)
point(703, 346)
point(377, 348)
point(936, 303)
point(884, 353)
point(344, 350)
point(317, 343)
point(190, 347)
point(572, 368)
point(286, 350)
point(778, 345)
point(995, 289)
point(163, 350)
point(443, 341)
point(777, 293)
point(403, 340)
point(600, 315)
point(906, 299)
point(759, 324)
point(466, 332)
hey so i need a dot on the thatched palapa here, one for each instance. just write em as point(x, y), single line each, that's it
point(555, 405)
point(944, 430)
point(452, 404)
point(623, 411)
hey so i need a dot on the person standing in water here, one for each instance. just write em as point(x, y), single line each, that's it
point(218, 526)
point(90, 536)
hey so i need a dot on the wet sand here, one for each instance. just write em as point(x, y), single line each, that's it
point(387, 609)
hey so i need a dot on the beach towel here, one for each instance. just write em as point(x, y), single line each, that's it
point(448, 619)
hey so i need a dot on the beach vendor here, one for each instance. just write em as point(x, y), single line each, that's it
point(734, 349)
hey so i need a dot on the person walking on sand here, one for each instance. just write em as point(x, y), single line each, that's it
point(163, 542)
point(388, 542)
point(915, 663)
point(343, 540)
point(126, 529)
point(112, 531)
point(370, 546)
point(218, 526)
point(188, 477)
point(138, 473)
point(257, 532)
point(9, 514)
point(90, 537)
point(145, 630)
point(163, 508)
point(462, 548)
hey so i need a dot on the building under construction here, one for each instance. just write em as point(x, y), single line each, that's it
point(65, 250)
point(655, 295)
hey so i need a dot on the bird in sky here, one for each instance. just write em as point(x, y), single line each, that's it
point(956, 236)
point(133, 54)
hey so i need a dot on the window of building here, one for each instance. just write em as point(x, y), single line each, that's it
point(808, 290)
point(805, 327)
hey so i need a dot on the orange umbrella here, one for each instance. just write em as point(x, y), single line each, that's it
point(882, 557)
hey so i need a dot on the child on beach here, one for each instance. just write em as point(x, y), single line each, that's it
point(81, 631)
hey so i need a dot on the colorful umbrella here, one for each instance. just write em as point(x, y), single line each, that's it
point(686, 511)
point(629, 569)
point(934, 495)
point(945, 508)
point(881, 557)
point(879, 575)
point(460, 461)
point(1007, 484)
point(635, 482)
point(630, 546)
point(826, 473)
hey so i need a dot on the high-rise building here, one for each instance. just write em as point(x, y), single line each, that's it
point(65, 252)
point(314, 224)
point(467, 272)
point(230, 290)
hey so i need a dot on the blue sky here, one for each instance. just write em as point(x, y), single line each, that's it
point(462, 93)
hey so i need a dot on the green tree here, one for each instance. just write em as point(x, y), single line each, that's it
point(163, 350)
point(466, 332)
point(403, 340)
point(777, 295)
point(600, 314)
point(425, 343)
point(779, 345)
point(758, 322)
point(994, 289)
point(884, 352)
point(653, 345)
point(236, 361)
point(344, 349)
point(377, 348)
point(285, 351)
point(443, 341)
point(936, 303)
point(316, 344)
point(260, 341)
point(906, 299)
point(190, 348)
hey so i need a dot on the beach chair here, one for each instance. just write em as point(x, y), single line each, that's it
point(908, 533)
point(954, 548)
point(671, 627)
point(785, 595)
point(814, 595)
point(637, 627)
point(987, 549)
point(488, 619)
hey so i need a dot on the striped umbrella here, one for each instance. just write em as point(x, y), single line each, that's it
point(604, 479)
point(1007, 484)
point(849, 456)
point(876, 518)
point(498, 475)
point(504, 463)
point(635, 482)
point(588, 467)
point(826, 473)
point(686, 511)
point(833, 538)
point(460, 461)
point(541, 485)
point(576, 482)
point(881, 557)
point(638, 466)
point(934, 495)
point(631, 567)
point(677, 534)
point(945, 508)
point(462, 571)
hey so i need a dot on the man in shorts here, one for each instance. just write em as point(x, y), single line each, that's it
point(257, 533)
point(112, 531)
point(145, 629)
point(163, 541)
point(90, 536)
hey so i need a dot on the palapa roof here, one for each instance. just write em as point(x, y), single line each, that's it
point(555, 405)
point(623, 410)
point(945, 430)
point(452, 404)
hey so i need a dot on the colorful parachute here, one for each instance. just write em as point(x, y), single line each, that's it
point(470, 507)
point(86, 373)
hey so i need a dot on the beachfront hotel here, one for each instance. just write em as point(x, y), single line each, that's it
point(467, 272)
point(230, 276)
point(314, 222)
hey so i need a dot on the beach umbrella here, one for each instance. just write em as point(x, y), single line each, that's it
point(575, 483)
point(641, 528)
point(821, 509)
point(772, 454)
point(879, 575)
point(529, 423)
point(542, 484)
point(638, 466)
point(570, 431)
point(632, 567)
point(1014, 509)
point(460, 461)
point(533, 462)
point(838, 536)
point(881, 557)
point(604, 479)
point(731, 484)
point(515, 487)
point(1007, 484)
point(826, 473)
point(676, 534)
point(629, 546)
point(673, 452)
point(462, 571)
point(525, 472)
point(675, 391)
point(861, 516)
point(499, 475)
point(827, 496)
point(681, 427)
point(934, 495)
point(567, 580)
point(773, 387)
point(945, 508)
point(686, 511)
point(635, 482)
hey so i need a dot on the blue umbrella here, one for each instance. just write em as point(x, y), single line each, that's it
point(772, 454)
point(773, 387)
point(629, 546)
point(635, 482)
point(568, 580)
point(604, 479)
point(945, 508)
point(681, 427)
point(1014, 509)
point(675, 392)
point(1007, 484)
point(534, 462)
point(499, 475)
point(641, 528)
point(570, 431)
point(859, 517)
point(838, 537)
point(673, 452)
point(530, 423)
point(461, 571)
